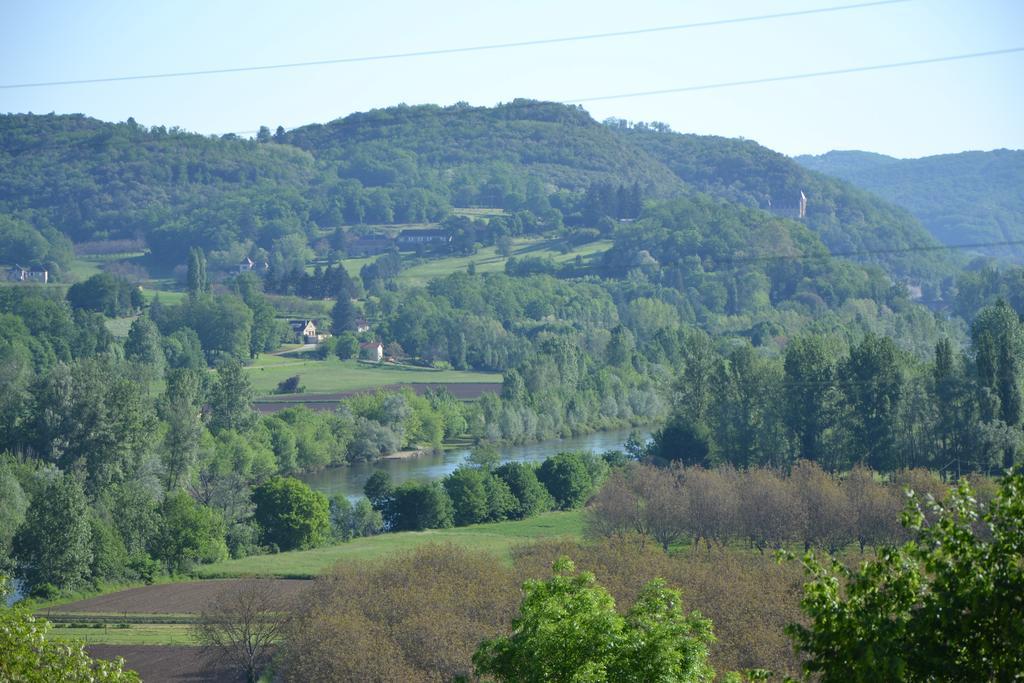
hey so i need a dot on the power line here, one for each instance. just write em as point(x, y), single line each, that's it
point(457, 50)
point(795, 77)
point(403, 117)
point(736, 261)
point(874, 252)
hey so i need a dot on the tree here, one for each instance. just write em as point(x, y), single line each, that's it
point(416, 506)
point(181, 407)
point(198, 283)
point(346, 346)
point(872, 381)
point(810, 396)
point(53, 545)
point(13, 504)
point(568, 630)
point(465, 486)
point(485, 456)
point(343, 315)
point(944, 606)
point(189, 533)
point(567, 479)
point(531, 496)
point(243, 624)
point(231, 398)
point(143, 345)
point(998, 339)
point(683, 440)
point(379, 490)
point(27, 655)
point(107, 294)
point(955, 405)
point(290, 514)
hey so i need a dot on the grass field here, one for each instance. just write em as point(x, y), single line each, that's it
point(487, 260)
point(497, 538)
point(134, 634)
point(333, 375)
point(119, 327)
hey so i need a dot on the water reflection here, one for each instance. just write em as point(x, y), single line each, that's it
point(350, 480)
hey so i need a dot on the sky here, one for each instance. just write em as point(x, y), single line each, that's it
point(906, 112)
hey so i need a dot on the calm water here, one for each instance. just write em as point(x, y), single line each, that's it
point(350, 480)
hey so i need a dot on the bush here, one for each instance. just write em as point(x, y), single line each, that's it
point(290, 386)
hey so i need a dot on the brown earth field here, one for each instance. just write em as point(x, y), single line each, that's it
point(167, 598)
point(166, 663)
point(463, 391)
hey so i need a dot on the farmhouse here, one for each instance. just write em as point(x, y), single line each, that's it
point(19, 274)
point(248, 264)
point(368, 245)
point(305, 331)
point(372, 351)
point(414, 238)
point(362, 325)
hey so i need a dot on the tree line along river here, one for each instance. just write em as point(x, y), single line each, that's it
point(349, 480)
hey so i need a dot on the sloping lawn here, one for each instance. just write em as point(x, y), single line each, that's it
point(497, 538)
point(333, 375)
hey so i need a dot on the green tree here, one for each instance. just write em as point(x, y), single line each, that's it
point(531, 496)
point(810, 396)
point(231, 398)
point(13, 504)
point(567, 479)
point(343, 315)
point(290, 514)
point(872, 381)
point(198, 282)
point(379, 490)
point(27, 655)
point(53, 544)
point(998, 339)
point(189, 533)
point(181, 408)
point(346, 346)
point(685, 441)
point(465, 486)
point(143, 345)
point(416, 506)
point(568, 630)
point(956, 409)
point(945, 606)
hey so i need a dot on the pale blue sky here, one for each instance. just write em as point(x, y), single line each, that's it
point(915, 111)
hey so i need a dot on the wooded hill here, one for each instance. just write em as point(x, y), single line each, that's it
point(94, 180)
point(966, 198)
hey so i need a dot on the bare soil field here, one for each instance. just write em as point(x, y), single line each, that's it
point(463, 391)
point(167, 598)
point(166, 663)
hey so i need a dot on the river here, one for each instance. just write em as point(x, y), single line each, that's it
point(350, 480)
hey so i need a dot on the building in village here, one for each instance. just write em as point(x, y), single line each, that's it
point(305, 331)
point(20, 274)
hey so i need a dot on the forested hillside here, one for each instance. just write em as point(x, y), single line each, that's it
point(169, 189)
point(744, 172)
point(966, 198)
point(481, 155)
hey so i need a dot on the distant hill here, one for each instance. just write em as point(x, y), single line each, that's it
point(476, 146)
point(846, 218)
point(93, 180)
point(966, 198)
